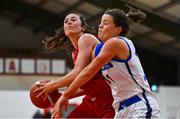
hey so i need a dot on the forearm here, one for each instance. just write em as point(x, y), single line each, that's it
point(86, 75)
point(65, 80)
point(78, 93)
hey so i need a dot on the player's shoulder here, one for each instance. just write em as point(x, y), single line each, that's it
point(88, 38)
point(117, 40)
point(117, 44)
point(113, 41)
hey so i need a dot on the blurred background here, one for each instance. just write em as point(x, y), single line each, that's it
point(25, 23)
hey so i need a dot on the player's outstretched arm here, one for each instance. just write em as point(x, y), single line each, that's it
point(86, 43)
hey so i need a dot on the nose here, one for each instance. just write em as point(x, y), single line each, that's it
point(69, 22)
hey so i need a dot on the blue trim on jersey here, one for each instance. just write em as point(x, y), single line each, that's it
point(149, 112)
point(130, 54)
point(107, 66)
point(100, 45)
point(128, 102)
point(98, 48)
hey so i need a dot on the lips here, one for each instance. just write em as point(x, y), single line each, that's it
point(70, 27)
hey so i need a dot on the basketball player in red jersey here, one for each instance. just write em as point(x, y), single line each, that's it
point(98, 99)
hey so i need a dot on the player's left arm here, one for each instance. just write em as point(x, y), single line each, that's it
point(111, 49)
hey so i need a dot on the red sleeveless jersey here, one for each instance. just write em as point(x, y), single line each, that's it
point(97, 85)
point(98, 99)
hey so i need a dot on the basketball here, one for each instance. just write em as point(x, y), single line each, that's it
point(40, 102)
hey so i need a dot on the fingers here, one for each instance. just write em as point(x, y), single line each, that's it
point(58, 109)
point(55, 115)
point(66, 106)
point(38, 89)
point(62, 103)
point(45, 96)
point(41, 93)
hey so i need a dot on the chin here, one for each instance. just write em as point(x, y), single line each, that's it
point(70, 33)
point(101, 39)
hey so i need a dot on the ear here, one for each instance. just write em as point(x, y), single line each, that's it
point(118, 30)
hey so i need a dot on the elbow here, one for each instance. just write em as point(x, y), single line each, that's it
point(76, 72)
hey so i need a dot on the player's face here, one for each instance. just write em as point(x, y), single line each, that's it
point(72, 25)
point(107, 28)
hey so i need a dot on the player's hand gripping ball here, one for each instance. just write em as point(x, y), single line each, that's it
point(42, 102)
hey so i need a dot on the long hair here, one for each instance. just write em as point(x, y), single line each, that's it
point(61, 41)
point(123, 19)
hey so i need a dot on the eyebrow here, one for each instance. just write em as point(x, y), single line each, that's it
point(68, 18)
point(106, 20)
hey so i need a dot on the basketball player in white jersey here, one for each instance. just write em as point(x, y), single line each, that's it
point(120, 64)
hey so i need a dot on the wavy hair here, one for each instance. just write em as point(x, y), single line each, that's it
point(61, 41)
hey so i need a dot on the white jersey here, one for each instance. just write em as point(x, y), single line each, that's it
point(125, 77)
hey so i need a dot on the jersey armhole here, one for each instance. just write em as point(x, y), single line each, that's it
point(98, 48)
point(130, 54)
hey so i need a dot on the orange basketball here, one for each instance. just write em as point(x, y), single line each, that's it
point(40, 102)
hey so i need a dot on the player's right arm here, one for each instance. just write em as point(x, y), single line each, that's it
point(86, 43)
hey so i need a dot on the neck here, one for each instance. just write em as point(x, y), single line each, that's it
point(74, 40)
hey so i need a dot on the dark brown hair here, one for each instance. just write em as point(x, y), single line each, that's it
point(123, 19)
point(61, 41)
